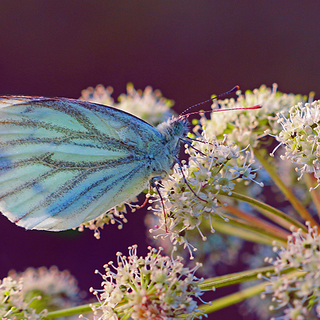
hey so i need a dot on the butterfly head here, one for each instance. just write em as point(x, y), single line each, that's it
point(174, 128)
point(172, 133)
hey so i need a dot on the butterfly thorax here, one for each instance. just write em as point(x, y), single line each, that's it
point(172, 131)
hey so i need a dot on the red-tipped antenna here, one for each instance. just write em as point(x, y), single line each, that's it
point(220, 110)
point(217, 97)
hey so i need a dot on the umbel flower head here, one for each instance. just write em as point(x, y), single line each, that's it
point(152, 287)
point(57, 289)
point(300, 136)
point(214, 167)
point(13, 304)
point(99, 94)
point(299, 295)
point(30, 294)
point(148, 105)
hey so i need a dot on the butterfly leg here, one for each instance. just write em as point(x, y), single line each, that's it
point(153, 183)
point(186, 182)
point(146, 199)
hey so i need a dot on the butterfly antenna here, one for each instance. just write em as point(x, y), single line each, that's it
point(221, 110)
point(216, 97)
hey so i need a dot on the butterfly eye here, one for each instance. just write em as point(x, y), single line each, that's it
point(178, 128)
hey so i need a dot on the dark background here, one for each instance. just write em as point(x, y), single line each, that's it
point(187, 49)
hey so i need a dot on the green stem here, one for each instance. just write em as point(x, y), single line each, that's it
point(257, 221)
point(241, 295)
point(238, 277)
point(311, 183)
point(69, 312)
point(234, 278)
point(285, 189)
point(233, 298)
point(248, 232)
point(269, 211)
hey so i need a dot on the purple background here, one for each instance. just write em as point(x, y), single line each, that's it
point(187, 49)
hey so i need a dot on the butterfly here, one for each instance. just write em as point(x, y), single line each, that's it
point(64, 161)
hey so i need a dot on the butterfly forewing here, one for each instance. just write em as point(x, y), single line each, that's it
point(64, 161)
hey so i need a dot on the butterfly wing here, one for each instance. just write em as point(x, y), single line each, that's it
point(65, 161)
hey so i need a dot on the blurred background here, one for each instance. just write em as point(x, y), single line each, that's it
point(187, 49)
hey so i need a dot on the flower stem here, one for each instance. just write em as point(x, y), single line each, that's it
point(69, 312)
point(248, 232)
point(233, 298)
point(234, 278)
point(242, 295)
point(284, 189)
point(269, 211)
point(311, 183)
point(258, 222)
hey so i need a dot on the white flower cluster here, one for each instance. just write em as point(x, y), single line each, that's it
point(58, 289)
point(155, 287)
point(99, 94)
point(115, 215)
point(300, 136)
point(34, 292)
point(245, 127)
point(12, 301)
point(214, 166)
point(298, 295)
point(217, 252)
point(148, 105)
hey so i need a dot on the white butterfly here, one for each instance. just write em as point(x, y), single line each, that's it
point(64, 162)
